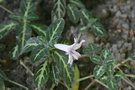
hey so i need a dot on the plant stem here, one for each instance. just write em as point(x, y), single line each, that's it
point(21, 62)
point(18, 84)
point(101, 83)
point(90, 85)
point(6, 9)
point(84, 78)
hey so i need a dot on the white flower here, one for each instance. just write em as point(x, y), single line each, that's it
point(71, 50)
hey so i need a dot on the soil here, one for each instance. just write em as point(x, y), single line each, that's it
point(118, 18)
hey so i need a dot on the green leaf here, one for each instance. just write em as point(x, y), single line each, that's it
point(132, 56)
point(55, 74)
point(111, 83)
point(75, 85)
point(6, 27)
point(119, 74)
point(15, 52)
point(83, 27)
point(42, 74)
point(106, 56)
point(16, 16)
point(2, 75)
point(59, 9)
point(40, 29)
point(73, 13)
point(2, 85)
point(98, 29)
point(32, 16)
point(85, 16)
point(78, 3)
point(92, 48)
point(66, 72)
point(99, 71)
point(54, 31)
point(27, 6)
point(31, 44)
point(96, 59)
point(110, 69)
point(39, 53)
point(24, 34)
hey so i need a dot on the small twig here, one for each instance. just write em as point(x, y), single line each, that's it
point(84, 78)
point(101, 83)
point(6, 9)
point(21, 62)
point(90, 85)
point(20, 85)
point(118, 65)
point(128, 81)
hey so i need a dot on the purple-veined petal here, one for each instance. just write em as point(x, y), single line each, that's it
point(62, 47)
point(75, 54)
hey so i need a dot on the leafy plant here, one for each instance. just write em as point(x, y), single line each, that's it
point(53, 63)
point(77, 14)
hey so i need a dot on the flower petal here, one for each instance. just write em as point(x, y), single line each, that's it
point(62, 47)
point(75, 54)
point(78, 45)
point(70, 60)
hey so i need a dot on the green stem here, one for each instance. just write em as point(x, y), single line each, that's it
point(84, 78)
point(18, 84)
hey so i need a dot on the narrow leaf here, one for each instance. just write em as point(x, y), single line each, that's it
point(39, 53)
point(73, 13)
point(42, 74)
point(54, 31)
point(40, 29)
point(6, 27)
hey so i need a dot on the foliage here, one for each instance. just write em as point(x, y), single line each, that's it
point(104, 70)
point(53, 63)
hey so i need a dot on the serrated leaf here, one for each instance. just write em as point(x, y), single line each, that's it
point(98, 29)
point(96, 59)
point(66, 72)
point(6, 27)
point(54, 31)
point(40, 29)
point(59, 8)
point(78, 3)
point(73, 13)
point(99, 71)
point(42, 74)
point(92, 48)
point(39, 53)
